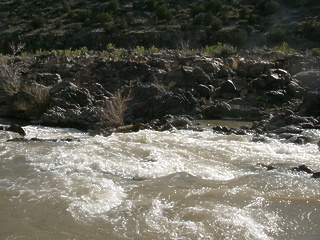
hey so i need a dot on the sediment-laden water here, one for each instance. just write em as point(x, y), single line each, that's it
point(156, 185)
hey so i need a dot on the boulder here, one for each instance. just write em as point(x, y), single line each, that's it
point(15, 128)
point(200, 77)
point(203, 91)
point(70, 106)
point(236, 109)
point(213, 66)
point(311, 104)
point(228, 90)
point(181, 77)
point(308, 80)
point(180, 102)
point(67, 94)
point(177, 121)
point(253, 68)
point(48, 79)
point(217, 110)
point(274, 79)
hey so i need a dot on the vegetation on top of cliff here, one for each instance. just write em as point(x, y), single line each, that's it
point(62, 24)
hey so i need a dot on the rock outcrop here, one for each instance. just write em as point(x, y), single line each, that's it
point(159, 84)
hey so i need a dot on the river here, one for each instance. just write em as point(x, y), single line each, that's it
point(156, 185)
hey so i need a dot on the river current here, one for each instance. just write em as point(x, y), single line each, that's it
point(177, 184)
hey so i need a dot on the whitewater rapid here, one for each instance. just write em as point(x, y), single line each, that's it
point(176, 184)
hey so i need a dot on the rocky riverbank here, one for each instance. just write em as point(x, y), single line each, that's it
point(94, 90)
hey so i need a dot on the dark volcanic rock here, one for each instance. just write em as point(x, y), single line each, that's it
point(274, 79)
point(309, 80)
point(311, 104)
point(70, 106)
point(166, 82)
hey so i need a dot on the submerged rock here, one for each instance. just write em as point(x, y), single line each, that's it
point(316, 175)
point(132, 128)
point(42, 140)
point(302, 168)
point(14, 128)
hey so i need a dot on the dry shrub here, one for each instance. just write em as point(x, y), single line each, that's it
point(10, 75)
point(31, 99)
point(112, 112)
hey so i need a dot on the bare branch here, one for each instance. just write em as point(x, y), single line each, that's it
point(16, 47)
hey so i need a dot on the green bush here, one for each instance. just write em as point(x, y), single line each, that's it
point(284, 48)
point(311, 30)
point(130, 18)
point(271, 7)
point(177, 8)
point(18, 3)
point(244, 13)
point(122, 24)
point(83, 15)
point(13, 19)
point(208, 19)
point(58, 24)
point(113, 6)
point(103, 18)
point(76, 27)
point(315, 52)
point(216, 24)
point(185, 26)
point(224, 14)
point(238, 37)
point(38, 22)
point(87, 22)
point(253, 19)
point(151, 4)
point(214, 6)
point(163, 13)
point(276, 35)
point(268, 7)
point(197, 9)
point(138, 5)
point(109, 27)
point(198, 20)
point(66, 8)
point(71, 14)
point(220, 50)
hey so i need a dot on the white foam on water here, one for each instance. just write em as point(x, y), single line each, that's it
point(191, 185)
